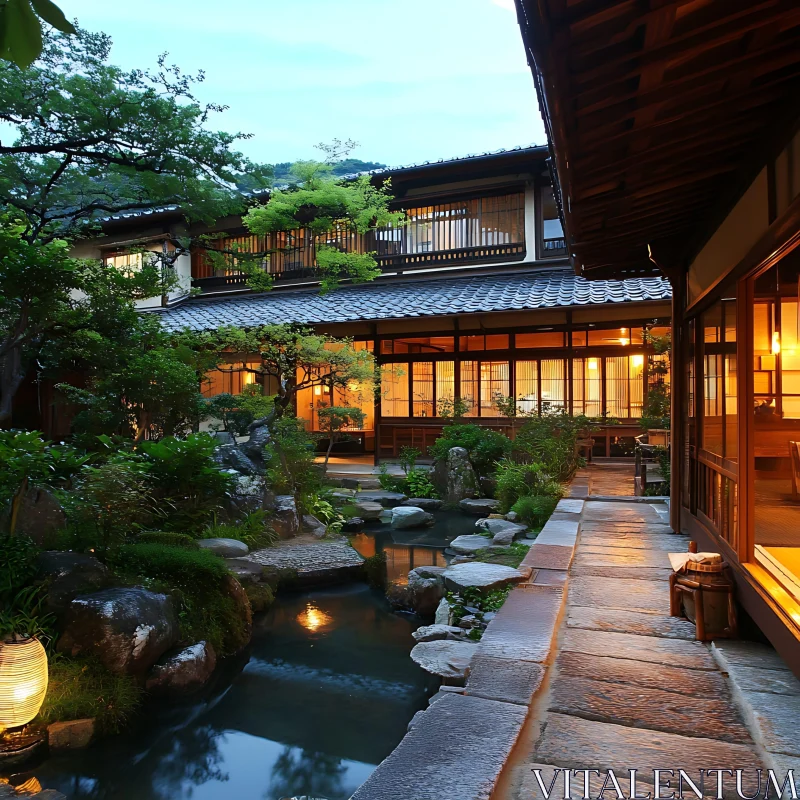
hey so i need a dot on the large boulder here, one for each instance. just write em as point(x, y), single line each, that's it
point(425, 503)
point(253, 448)
point(68, 575)
point(427, 589)
point(480, 506)
point(128, 629)
point(455, 477)
point(410, 517)
point(285, 518)
point(248, 493)
point(469, 544)
point(40, 516)
point(504, 538)
point(182, 671)
point(448, 660)
point(223, 437)
point(230, 456)
point(386, 499)
point(310, 524)
point(353, 525)
point(368, 509)
point(480, 575)
point(444, 614)
point(234, 589)
point(227, 548)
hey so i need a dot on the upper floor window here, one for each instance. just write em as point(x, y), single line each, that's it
point(551, 236)
point(126, 263)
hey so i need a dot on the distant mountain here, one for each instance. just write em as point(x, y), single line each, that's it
point(344, 167)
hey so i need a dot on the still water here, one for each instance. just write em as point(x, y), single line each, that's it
point(327, 694)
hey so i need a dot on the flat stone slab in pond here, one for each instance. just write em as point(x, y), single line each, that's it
point(455, 751)
point(446, 659)
point(616, 620)
point(469, 544)
point(480, 575)
point(433, 633)
point(368, 509)
point(410, 517)
point(653, 709)
point(575, 742)
point(227, 548)
point(504, 679)
point(386, 499)
point(426, 503)
point(314, 559)
point(640, 673)
point(481, 506)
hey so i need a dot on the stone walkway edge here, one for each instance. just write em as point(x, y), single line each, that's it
point(457, 748)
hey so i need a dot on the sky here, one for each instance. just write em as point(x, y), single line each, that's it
point(409, 80)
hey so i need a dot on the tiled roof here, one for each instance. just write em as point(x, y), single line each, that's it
point(413, 298)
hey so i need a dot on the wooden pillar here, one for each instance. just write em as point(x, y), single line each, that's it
point(677, 394)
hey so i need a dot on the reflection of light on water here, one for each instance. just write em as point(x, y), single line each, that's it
point(313, 618)
point(31, 786)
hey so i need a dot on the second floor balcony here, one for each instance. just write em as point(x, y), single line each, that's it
point(480, 230)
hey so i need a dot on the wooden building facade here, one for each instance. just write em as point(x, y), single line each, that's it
point(674, 127)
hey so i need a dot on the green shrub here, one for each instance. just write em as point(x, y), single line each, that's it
point(206, 609)
point(17, 564)
point(81, 688)
point(253, 530)
point(550, 440)
point(186, 478)
point(535, 510)
point(389, 483)
point(485, 447)
point(169, 538)
point(519, 480)
point(290, 455)
point(408, 457)
point(418, 484)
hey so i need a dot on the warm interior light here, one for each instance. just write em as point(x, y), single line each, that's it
point(317, 390)
point(353, 387)
point(776, 343)
point(623, 341)
point(23, 681)
point(637, 361)
point(593, 363)
point(313, 618)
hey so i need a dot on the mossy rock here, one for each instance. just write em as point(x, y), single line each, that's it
point(260, 595)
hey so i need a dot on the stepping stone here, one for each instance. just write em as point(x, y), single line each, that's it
point(227, 548)
point(426, 503)
point(386, 499)
point(480, 575)
point(635, 595)
point(653, 709)
point(629, 672)
point(525, 625)
point(504, 679)
point(456, 750)
point(433, 633)
point(469, 544)
point(638, 622)
point(576, 742)
point(480, 506)
point(674, 652)
point(445, 659)
point(367, 509)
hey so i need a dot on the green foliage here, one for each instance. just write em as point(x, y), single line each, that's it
point(168, 538)
point(253, 530)
point(408, 458)
point(485, 447)
point(340, 168)
point(418, 484)
point(260, 595)
point(389, 482)
point(510, 556)
point(335, 421)
point(535, 510)
point(83, 688)
point(185, 477)
point(551, 440)
point(476, 598)
point(237, 412)
point(515, 480)
point(290, 455)
point(333, 266)
point(21, 28)
point(17, 564)
point(656, 410)
point(453, 410)
point(207, 611)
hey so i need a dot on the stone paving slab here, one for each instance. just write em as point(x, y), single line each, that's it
point(548, 556)
point(633, 595)
point(525, 626)
point(586, 744)
point(570, 505)
point(685, 682)
point(653, 709)
point(638, 622)
point(732, 653)
point(549, 577)
point(756, 679)
point(627, 573)
point(455, 751)
point(653, 541)
point(620, 557)
point(652, 649)
point(565, 539)
point(778, 720)
point(504, 679)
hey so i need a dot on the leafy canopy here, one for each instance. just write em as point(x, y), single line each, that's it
point(21, 28)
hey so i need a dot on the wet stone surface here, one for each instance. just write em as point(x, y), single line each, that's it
point(309, 557)
point(638, 622)
point(504, 679)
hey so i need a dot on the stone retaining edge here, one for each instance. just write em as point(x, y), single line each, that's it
point(444, 737)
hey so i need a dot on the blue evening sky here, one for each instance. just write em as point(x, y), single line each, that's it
point(410, 81)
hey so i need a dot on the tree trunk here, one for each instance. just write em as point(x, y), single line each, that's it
point(330, 447)
point(12, 374)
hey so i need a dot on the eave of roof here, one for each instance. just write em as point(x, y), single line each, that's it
point(433, 297)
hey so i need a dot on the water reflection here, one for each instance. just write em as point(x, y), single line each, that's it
point(326, 695)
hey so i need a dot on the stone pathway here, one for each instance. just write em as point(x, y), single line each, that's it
point(609, 480)
point(630, 688)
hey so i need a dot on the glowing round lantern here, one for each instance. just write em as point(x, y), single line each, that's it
point(23, 681)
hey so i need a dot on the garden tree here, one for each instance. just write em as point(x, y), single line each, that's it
point(324, 204)
point(52, 304)
point(335, 421)
point(21, 28)
point(293, 357)
point(656, 410)
point(92, 139)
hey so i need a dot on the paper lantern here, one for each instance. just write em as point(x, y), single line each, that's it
point(23, 681)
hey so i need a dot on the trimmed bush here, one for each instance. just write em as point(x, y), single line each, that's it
point(520, 480)
point(167, 538)
point(535, 510)
point(485, 447)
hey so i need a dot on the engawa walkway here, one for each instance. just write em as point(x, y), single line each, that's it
point(629, 688)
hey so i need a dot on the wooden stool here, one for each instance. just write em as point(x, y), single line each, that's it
point(699, 584)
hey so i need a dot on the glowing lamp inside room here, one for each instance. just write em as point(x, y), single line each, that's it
point(637, 361)
point(317, 390)
point(23, 681)
point(776, 343)
point(593, 363)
